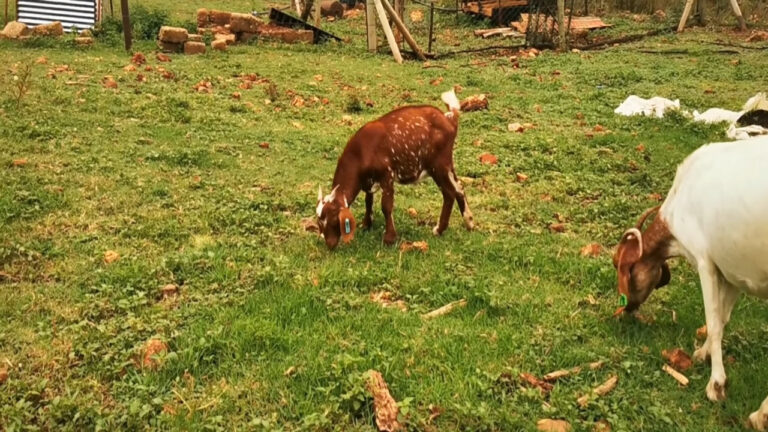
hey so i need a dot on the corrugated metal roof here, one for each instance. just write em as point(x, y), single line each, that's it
point(79, 14)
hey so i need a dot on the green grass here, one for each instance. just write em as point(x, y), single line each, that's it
point(175, 181)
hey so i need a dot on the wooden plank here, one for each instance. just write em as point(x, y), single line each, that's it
point(370, 24)
point(403, 30)
point(388, 31)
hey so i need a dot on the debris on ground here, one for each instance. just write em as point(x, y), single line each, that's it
point(3, 375)
point(678, 358)
point(577, 23)
point(474, 103)
point(384, 405)
point(656, 106)
point(111, 256)
point(758, 36)
point(445, 309)
point(591, 250)
point(501, 31)
point(170, 290)
point(676, 375)
point(550, 425)
point(407, 246)
point(701, 332)
point(531, 381)
point(14, 30)
point(601, 390)
point(53, 29)
point(152, 348)
point(385, 299)
point(488, 159)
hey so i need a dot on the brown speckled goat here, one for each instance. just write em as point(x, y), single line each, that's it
point(404, 146)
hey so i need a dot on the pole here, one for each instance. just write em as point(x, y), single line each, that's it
point(370, 25)
point(126, 24)
point(404, 30)
point(431, 24)
point(5, 21)
point(388, 31)
point(562, 27)
point(111, 9)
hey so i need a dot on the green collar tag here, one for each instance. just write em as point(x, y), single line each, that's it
point(623, 300)
point(347, 228)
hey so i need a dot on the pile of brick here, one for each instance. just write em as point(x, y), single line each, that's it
point(231, 27)
point(177, 39)
point(19, 30)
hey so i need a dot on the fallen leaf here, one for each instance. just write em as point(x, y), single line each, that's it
point(488, 158)
point(407, 246)
point(141, 78)
point(437, 81)
point(236, 95)
point(325, 101)
point(758, 36)
point(515, 127)
point(3, 375)
point(537, 108)
point(264, 145)
point(602, 425)
point(474, 103)
point(557, 227)
point(310, 225)
point(417, 15)
point(148, 68)
point(297, 101)
point(318, 78)
point(19, 162)
point(151, 349)
point(203, 87)
point(138, 59)
point(385, 299)
point(735, 62)
point(130, 68)
point(384, 405)
point(531, 381)
point(678, 358)
point(434, 412)
point(369, 103)
point(162, 57)
point(640, 148)
point(109, 82)
point(709, 91)
point(701, 332)
point(598, 128)
point(111, 256)
point(290, 371)
point(168, 75)
point(170, 290)
point(521, 177)
point(42, 60)
point(412, 212)
point(655, 197)
point(591, 250)
point(550, 425)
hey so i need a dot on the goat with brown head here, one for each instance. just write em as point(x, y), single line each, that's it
point(403, 146)
point(640, 261)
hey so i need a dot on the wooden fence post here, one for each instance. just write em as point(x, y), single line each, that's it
point(562, 27)
point(388, 31)
point(370, 25)
point(126, 25)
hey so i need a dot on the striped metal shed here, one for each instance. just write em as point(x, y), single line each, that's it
point(77, 14)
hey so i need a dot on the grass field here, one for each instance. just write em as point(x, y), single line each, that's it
point(176, 183)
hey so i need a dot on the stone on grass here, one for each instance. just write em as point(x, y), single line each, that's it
point(15, 29)
point(194, 48)
point(244, 23)
point(51, 29)
point(219, 45)
point(170, 47)
point(173, 34)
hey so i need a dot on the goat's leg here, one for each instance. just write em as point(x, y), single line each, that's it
point(759, 419)
point(387, 204)
point(713, 311)
point(461, 200)
point(443, 180)
point(728, 297)
point(368, 219)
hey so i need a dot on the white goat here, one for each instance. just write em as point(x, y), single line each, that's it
point(716, 216)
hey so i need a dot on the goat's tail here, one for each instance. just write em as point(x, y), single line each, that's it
point(756, 102)
point(453, 103)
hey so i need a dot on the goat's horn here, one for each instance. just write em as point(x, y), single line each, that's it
point(645, 215)
point(319, 193)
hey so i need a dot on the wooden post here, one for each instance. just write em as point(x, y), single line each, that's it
point(370, 25)
point(404, 30)
point(297, 5)
point(399, 12)
point(388, 31)
point(307, 8)
point(5, 21)
point(737, 11)
point(562, 27)
point(317, 14)
point(126, 25)
point(431, 24)
point(111, 9)
point(686, 13)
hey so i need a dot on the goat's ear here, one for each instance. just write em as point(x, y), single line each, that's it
point(628, 253)
point(347, 225)
point(666, 276)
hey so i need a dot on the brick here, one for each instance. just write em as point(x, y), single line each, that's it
point(191, 48)
point(173, 34)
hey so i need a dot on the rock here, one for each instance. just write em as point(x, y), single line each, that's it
point(173, 34)
point(84, 41)
point(219, 17)
point(331, 8)
point(111, 256)
point(195, 38)
point(219, 45)
point(202, 18)
point(191, 48)
point(15, 29)
point(170, 290)
point(244, 23)
point(229, 39)
point(287, 35)
point(170, 47)
point(52, 29)
point(246, 37)
point(86, 33)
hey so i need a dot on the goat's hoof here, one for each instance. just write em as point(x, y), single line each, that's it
point(389, 240)
point(716, 391)
point(702, 354)
point(436, 231)
point(757, 421)
point(367, 224)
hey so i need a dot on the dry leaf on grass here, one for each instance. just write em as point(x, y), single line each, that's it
point(109, 82)
point(474, 103)
point(19, 162)
point(203, 87)
point(550, 425)
point(434, 412)
point(412, 212)
point(437, 81)
point(3, 375)
point(290, 371)
point(678, 358)
point(515, 127)
point(417, 15)
point(385, 299)
point(557, 227)
point(384, 405)
point(111, 256)
point(264, 145)
point(170, 290)
point(601, 390)
point(130, 68)
point(602, 425)
point(162, 57)
point(236, 95)
point(591, 250)
point(445, 309)
point(152, 349)
point(42, 60)
point(138, 59)
point(529, 380)
point(310, 225)
point(489, 159)
point(522, 178)
point(407, 246)
point(701, 332)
